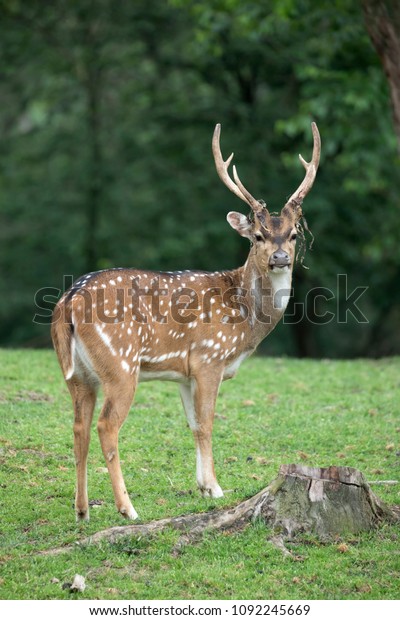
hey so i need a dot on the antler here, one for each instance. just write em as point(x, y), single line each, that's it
point(222, 166)
point(311, 167)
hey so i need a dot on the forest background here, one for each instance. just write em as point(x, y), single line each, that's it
point(107, 110)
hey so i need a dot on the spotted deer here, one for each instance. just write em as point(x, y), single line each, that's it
point(118, 327)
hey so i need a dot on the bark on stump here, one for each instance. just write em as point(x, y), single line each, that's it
point(326, 502)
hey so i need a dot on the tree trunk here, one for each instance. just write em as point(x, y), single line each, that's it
point(326, 502)
point(382, 19)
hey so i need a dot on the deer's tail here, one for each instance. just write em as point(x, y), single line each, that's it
point(62, 334)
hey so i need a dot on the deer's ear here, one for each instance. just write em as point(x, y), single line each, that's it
point(239, 222)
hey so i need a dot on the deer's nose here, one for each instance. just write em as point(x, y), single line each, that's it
point(279, 258)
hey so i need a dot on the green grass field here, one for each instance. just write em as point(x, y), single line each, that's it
point(275, 411)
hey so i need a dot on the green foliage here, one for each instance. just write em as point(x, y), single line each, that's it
point(276, 411)
point(106, 120)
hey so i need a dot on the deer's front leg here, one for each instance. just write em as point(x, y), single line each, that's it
point(198, 399)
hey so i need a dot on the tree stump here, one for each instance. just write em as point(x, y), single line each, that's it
point(326, 502)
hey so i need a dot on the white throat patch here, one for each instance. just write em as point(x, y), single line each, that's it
point(281, 281)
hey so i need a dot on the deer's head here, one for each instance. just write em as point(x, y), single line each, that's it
point(273, 236)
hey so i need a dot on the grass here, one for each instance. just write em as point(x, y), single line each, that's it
point(275, 411)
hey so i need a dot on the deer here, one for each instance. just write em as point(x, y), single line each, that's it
point(118, 327)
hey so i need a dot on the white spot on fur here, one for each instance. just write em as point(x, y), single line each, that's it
point(105, 338)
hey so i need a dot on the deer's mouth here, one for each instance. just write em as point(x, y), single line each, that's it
point(280, 268)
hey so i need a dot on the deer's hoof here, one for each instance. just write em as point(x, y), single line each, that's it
point(129, 513)
point(82, 515)
point(213, 492)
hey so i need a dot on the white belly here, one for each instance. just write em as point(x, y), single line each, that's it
point(232, 369)
point(161, 375)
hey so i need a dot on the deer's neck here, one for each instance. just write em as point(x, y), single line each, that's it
point(267, 295)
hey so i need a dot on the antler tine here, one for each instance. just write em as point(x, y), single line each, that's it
point(311, 168)
point(222, 168)
point(254, 204)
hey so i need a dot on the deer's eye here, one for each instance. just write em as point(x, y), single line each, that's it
point(259, 237)
point(293, 237)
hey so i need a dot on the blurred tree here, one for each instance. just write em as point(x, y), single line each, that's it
point(107, 111)
point(383, 23)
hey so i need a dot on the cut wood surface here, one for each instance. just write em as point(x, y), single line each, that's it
point(327, 502)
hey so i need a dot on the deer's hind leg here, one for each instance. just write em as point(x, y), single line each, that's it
point(118, 397)
point(84, 400)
